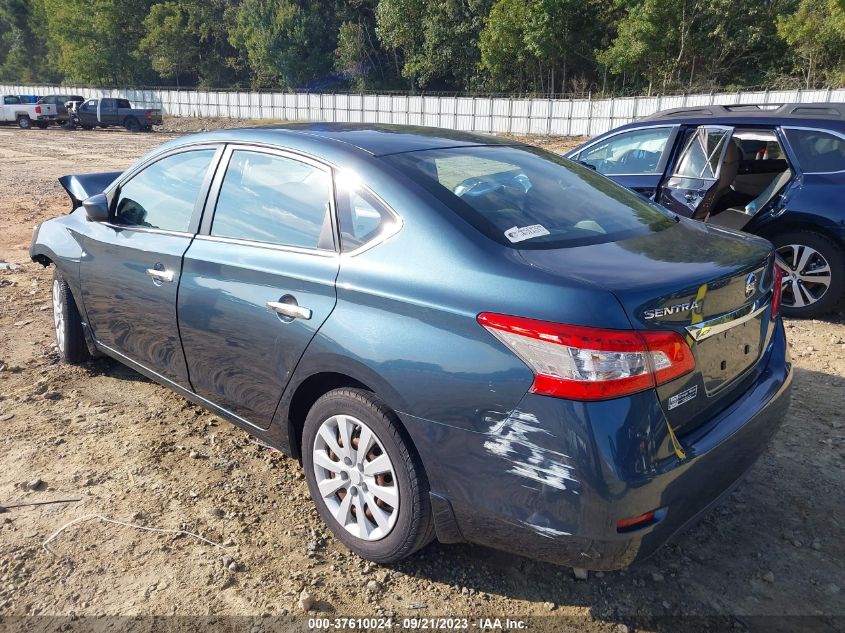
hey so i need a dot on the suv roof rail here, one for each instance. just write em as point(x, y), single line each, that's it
point(768, 110)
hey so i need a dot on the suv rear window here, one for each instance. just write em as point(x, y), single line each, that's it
point(817, 151)
point(528, 198)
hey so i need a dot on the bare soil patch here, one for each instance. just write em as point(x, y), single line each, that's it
point(132, 450)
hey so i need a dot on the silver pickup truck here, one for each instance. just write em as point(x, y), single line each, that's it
point(26, 114)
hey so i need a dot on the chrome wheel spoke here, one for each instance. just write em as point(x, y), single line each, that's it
point(322, 459)
point(386, 494)
point(365, 440)
point(380, 464)
point(363, 523)
point(329, 487)
point(344, 428)
point(328, 436)
point(343, 510)
point(380, 516)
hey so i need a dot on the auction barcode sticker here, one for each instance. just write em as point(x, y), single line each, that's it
point(517, 234)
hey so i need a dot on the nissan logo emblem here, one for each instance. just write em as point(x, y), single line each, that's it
point(750, 284)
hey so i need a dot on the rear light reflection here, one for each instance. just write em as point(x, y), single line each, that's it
point(637, 522)
point(585, 363)
point(777, 291)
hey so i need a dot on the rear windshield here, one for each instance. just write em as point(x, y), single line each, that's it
point(528, 198)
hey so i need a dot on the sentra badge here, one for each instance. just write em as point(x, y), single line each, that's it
point(678, 308)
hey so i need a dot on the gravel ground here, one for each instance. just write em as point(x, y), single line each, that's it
point(125, 448)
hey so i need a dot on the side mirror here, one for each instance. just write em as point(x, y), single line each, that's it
point(97, 208)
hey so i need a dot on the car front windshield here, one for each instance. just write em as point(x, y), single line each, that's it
point(528, 198)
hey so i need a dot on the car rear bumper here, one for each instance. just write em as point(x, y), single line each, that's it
point(552, 480)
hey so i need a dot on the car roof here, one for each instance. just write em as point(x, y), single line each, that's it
point(753, 112)
point(372, 138)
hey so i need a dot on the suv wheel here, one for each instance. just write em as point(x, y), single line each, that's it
point(813, 273)
point(366, 482)
point(70, 340)
point(24, 122)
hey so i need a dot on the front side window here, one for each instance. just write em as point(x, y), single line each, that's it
point(528, 198)
point(11, 100)
point(163, 195)
point(636, 152)
point(274, 199)
point(89, 106)
point(817, 151)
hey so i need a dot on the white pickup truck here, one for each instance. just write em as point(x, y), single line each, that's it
point(26, 114)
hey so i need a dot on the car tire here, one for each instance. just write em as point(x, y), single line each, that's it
point(67, 323)
point(24, 122)
point(42, 125)
point(87, 127)
point(810, 252)
point(132, 125)
point(397, 532)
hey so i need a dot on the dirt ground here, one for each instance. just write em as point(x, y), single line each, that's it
point(125, 448)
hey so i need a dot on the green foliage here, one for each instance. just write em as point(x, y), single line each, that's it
point(98, 40)
point(540, 46)
point(437, 40)
point(816, 34)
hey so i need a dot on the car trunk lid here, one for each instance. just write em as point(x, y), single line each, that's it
point(710, 285)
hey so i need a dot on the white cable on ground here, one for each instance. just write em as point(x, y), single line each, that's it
point(88, 517)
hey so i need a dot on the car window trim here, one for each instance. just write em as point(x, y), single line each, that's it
point(113, 191)
point(664, 156)
point(210, 209)
point(784, 128)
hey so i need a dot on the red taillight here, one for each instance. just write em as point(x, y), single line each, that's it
point(777, 291)
point(37, 109)
point(586, 363)
point(149, 114)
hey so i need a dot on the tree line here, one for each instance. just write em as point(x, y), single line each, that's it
point(480, 46)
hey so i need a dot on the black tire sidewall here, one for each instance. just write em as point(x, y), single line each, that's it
point(835, 257)
point(76, 350)
point(132, 125)
point(405, 536)
point(24, 122)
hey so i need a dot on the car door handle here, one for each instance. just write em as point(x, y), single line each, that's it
point(289, 310)
point(160, 275)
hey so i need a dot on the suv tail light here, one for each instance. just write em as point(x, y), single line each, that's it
point(38, 109)
point(777, 291)
point(585, 363)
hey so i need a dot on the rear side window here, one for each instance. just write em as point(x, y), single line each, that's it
point(274, 199)
point(703, 153)
point(361, 215)
point(527, 198)
point(11, 100)
point(163, 195)
point(817, 151)
point(123, 103)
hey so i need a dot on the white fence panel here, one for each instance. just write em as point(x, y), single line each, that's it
point(480, 114)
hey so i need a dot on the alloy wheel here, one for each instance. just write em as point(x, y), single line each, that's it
point(806, 275)
point(58, 315)
point(355, 477)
